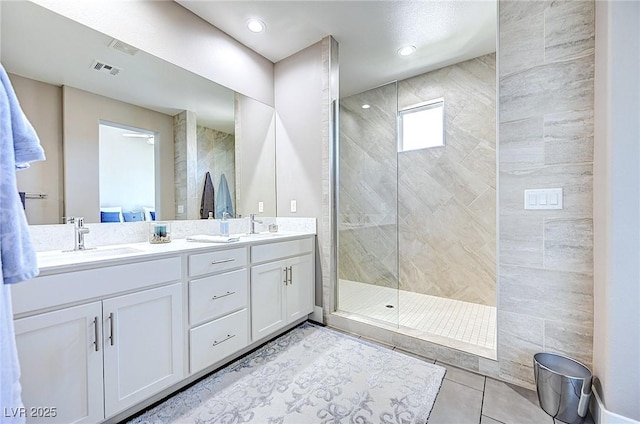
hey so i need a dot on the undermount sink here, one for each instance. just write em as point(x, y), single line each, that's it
point(263, 235)
point(102, 251)
point(66, 257)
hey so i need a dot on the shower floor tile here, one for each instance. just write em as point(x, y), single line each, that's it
point(469, 324)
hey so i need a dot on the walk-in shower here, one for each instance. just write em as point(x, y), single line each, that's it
point(416, 206)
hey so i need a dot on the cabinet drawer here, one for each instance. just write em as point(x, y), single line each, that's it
point(283, 249)
point(215, 296)
point(214, 341)
point(205, 263)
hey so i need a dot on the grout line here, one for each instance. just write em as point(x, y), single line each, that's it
point(484, 388)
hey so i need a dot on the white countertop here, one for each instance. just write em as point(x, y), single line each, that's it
point(57, 261)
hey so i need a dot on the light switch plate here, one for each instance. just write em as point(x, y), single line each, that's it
point(543, 198)
point(180, 208)
point(294, 206)
point(260, 207)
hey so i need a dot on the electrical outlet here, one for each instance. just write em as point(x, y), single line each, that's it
point(260, 207)
point(180, 208)
point(294, 206)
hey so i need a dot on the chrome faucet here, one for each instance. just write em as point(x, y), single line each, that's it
point(80, 231)
point(252, 223)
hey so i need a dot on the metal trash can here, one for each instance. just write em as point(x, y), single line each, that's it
point(563, 385)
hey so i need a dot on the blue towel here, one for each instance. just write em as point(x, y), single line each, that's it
point(9, 369)
point(223, 199)
point(19, 145)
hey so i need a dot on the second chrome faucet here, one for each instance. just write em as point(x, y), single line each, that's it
point(252, 223)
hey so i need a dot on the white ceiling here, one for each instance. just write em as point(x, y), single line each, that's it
point(369, 33)
point(44, 46)
point(39, 44)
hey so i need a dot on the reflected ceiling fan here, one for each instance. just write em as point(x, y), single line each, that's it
point(150, 137)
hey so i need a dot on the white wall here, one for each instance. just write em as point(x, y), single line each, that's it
point(171, 32)
point(81, 114)
point(617, 207)
point(255, 156)
point(298, 98)
point(127, 170)
point(302, 107)
point(42, 104)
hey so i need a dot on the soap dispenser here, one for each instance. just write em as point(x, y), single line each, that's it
point(224, 225)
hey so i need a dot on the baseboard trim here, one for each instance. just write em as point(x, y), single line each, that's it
point(602, 416)
point(316, 315)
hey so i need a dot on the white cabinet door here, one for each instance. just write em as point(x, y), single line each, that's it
point(60, 356)
point(267, 302)
point(143, 338)
point(300, 289)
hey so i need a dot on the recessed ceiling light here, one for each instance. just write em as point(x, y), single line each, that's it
point(406, 50)
point(366, 106)
point(256, 25)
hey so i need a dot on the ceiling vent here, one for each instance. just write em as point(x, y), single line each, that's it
point(123, 47)
point(103, 68)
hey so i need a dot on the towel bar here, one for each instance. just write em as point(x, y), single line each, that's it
point(35, 195)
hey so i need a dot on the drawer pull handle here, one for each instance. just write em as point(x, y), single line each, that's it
point(96, 333)
point(223, 295)
point(291, 275)
point(221, 261)
point(286, 275)
point(229, 336)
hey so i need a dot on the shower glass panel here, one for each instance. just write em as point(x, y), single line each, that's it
point(416, 206)
point(367, 206)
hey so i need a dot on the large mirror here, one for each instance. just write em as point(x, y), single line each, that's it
point(96, 103)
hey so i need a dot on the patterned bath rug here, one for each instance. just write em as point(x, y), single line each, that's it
point(309, 375)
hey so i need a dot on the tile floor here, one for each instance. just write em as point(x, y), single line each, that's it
point(465, 322)
point(466, 397)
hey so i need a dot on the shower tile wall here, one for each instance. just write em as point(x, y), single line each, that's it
point(216, 154)
point(368, 178)
point(546, 140)
point(445, 196)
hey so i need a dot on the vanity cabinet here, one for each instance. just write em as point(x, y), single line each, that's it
point(282, 291)
point(99, 342)
point(218, 312)
point(91, 361)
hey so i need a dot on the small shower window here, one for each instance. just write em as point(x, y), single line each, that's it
point(421, 126)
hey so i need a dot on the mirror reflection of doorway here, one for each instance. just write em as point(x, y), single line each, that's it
point(127, 173)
